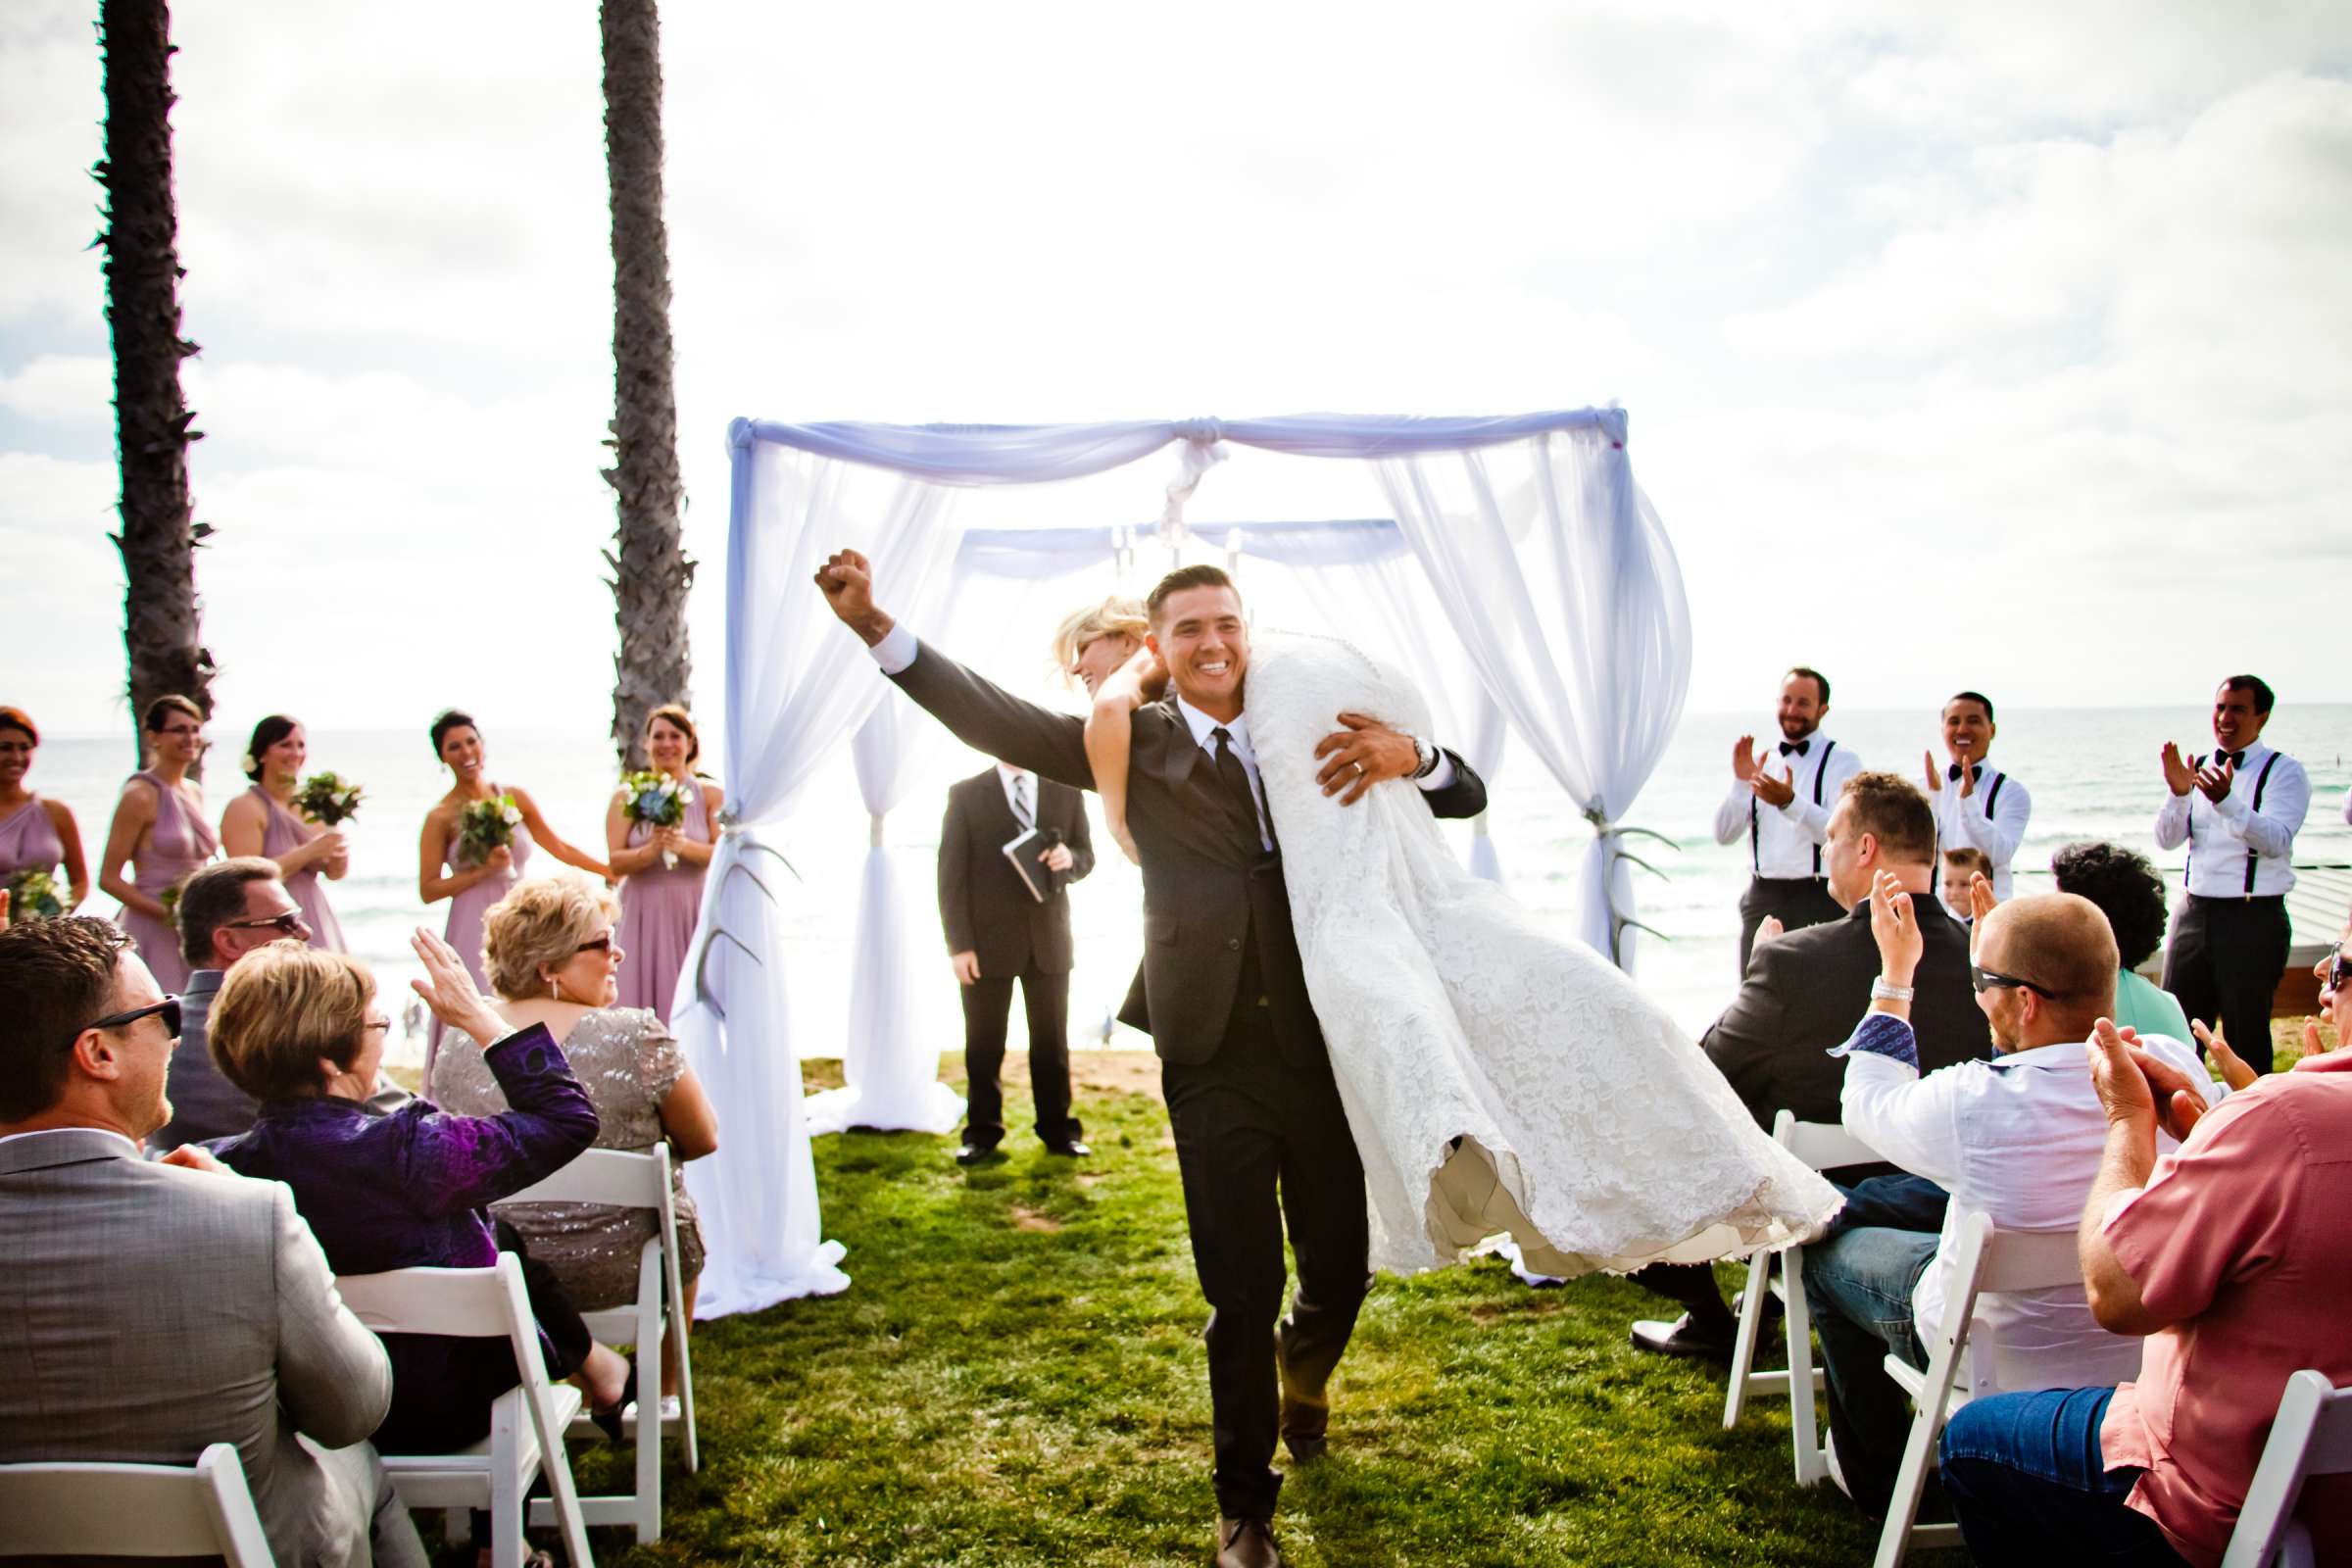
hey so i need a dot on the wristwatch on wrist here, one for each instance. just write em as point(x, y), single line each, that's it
point(1428, 754)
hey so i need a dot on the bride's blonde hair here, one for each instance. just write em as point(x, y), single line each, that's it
point(1115, 616)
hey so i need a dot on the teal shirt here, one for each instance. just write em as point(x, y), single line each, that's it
point(2142, 1004)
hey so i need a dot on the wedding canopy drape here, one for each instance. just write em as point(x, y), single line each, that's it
point(1556, 602)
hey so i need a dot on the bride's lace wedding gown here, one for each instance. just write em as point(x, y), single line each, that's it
point(1496, 1078)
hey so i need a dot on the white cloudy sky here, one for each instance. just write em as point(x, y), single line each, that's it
point(2005, 344)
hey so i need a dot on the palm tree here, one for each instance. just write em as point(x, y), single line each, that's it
point(650, 571)
point(160, 626)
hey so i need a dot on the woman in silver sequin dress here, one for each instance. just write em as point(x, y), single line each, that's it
point(553, 960)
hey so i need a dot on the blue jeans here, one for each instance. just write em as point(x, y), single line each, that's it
point(1860, 1283)
point(2025, 1475)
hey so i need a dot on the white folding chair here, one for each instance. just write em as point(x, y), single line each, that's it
point(2311, 1435)
point(133, 1510)
point(1990, 1259)
point(1822, 1145)
point(626, 1179)
point(527, 1422)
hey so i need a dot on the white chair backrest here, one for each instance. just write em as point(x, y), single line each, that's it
point(2030, 1261)
point(469, 1303)
point(622, 1177)
point(1822, 1144)
point(2311, 1435)
point(133, 1510)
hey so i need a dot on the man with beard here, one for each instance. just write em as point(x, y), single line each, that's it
point(1781, 802)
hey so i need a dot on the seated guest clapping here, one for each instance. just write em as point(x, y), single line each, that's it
point(1804, 993)
point(297, 1029)
point(2230, 1254)
point(153, 1310)
point(553, 961)
point(2017, 1138)
point(2128, 892)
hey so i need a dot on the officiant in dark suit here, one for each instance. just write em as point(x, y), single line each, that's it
point(1248, 1083)
point(999, 931)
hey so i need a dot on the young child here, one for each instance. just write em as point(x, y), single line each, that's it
point(1110, 731)
point(1958, 866)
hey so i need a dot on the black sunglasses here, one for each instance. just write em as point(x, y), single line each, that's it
point(602, 944)
point(2339, 969)
point(285, 924)
point(168, 1009)
point(1985, 980)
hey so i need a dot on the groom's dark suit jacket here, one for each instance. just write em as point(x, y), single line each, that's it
point(1207, 885)
point(1806, 991)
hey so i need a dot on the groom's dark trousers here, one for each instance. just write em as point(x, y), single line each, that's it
point(1261, 1140)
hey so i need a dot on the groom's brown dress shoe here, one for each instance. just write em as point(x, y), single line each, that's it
point(1247, 1543)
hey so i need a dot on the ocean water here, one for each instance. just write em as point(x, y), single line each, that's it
point(2093, 773)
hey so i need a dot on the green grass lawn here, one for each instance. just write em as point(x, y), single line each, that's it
point(1016, 1378)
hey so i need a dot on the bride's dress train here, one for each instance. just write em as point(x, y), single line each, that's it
point(1498, 1079)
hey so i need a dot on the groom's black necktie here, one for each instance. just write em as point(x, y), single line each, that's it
point(1235, 779)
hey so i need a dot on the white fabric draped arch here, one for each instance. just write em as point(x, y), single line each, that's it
point(1524, 577)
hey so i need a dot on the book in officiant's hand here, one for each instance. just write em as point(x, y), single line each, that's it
point(1024, 853)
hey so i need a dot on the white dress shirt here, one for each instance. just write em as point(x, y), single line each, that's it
point(1023, 811)
point(1992, 818)
point(2220, 838)
point(2021, 1138)
point(898, 648)
point(1785, 841)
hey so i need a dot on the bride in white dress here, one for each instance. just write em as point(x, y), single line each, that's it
point(1498, 1079)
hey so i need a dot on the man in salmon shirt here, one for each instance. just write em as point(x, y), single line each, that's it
point(2230, 1254)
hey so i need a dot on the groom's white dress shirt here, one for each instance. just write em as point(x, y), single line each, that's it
point(1785, 841)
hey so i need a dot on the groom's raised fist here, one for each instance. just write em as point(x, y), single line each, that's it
point(847, 580)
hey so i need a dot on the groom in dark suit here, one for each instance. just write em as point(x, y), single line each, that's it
point(998, 932)
point(1248, 1085)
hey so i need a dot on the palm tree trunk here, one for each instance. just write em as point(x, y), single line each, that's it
point(651, 571)
point(160, 612)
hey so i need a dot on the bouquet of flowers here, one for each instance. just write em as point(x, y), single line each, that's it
point(32, 896)
point(486, 826)
point(169, 900)
point(326, 800)
point(658, 800)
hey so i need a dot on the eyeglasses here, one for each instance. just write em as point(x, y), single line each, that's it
point(168, 1009)
point(290, 923)
point(2336, 969)
point(1985, 980)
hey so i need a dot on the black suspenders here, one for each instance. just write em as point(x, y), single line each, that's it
point(1993, 795)
point(2261, 781)
point(2263, 777)
point(1819, 768)
point(1755, 853)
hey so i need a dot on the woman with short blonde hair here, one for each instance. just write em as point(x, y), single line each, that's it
point(1119, 618)
point(555, 961)
point(298, 1028)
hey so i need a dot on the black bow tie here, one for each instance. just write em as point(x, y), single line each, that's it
point(1800, 748)
point(1952, 773)
point(2236, 759)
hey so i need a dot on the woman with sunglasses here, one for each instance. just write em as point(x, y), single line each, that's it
point(36, 835)
point(553, 963)
point(162, 831)
point(262, 821)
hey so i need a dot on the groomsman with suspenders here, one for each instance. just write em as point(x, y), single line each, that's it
point(1978, 806)
point(1781, 802)
point(2239, 811)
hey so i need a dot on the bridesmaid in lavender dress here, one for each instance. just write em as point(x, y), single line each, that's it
point(262, 821)
point(473, 888)
point(660, 903)
point(160, 830)
point(36, 835)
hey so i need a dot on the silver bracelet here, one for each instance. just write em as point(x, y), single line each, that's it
point(1881, 991)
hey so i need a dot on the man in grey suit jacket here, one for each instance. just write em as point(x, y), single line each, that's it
point(149, 1311)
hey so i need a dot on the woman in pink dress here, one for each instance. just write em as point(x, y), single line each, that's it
point(161, 830)
point(36, 835)
point(263, 821)
point(472, 887)
point(659, 901)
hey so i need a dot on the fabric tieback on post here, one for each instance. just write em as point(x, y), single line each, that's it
point(1204, 448)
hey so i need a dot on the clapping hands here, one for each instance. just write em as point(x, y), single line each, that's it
point(1895, 927)
point(1755, 772)
point(2181, 775)
point(447, 989)
point(2136, 1089)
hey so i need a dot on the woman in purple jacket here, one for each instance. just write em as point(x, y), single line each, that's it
point(297, 1029)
